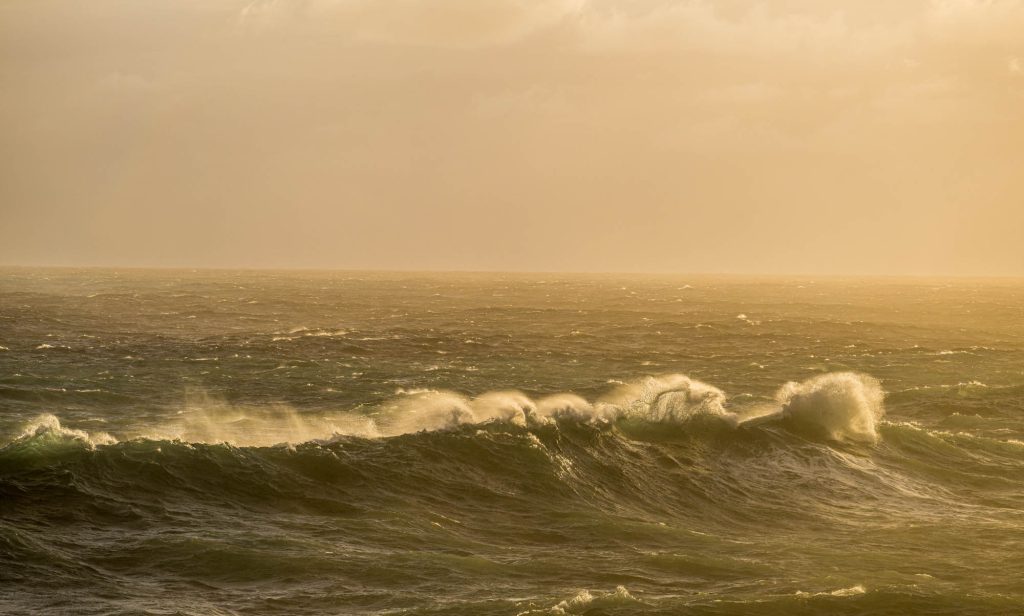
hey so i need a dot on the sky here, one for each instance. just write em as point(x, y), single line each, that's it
point(774, 137)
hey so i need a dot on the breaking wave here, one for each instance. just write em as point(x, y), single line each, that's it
point(840, 406)
point(837, 407)
point(46, 429)
point(833, 407)
point(666, 463)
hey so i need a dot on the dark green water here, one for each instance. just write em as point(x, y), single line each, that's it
point(345, 443)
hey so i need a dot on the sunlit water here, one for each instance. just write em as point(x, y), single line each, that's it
point(345, 443)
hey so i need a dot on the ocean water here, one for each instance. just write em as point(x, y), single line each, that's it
point(178, 442)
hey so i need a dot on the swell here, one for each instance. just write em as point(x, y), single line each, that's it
point(661, 447)
point(704, 470)
point(455, 493)
point(710, 470)
point(502, 502)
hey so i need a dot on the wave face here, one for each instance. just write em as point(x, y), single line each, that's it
point(229, 443)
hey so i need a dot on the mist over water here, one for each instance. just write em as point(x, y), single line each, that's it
point(310, 443)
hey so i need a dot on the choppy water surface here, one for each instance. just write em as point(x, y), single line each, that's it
point(345, 443)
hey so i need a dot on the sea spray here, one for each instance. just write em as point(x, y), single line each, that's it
point(838, 406)
point(206, 418)
point(423, 411)
point(568, 407)
point(511, 406)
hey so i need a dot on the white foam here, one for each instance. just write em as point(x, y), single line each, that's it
point(852, 591)
point(667, 398)
point(47, 428)
point(584, 601)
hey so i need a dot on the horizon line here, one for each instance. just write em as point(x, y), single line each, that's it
point(379, 270)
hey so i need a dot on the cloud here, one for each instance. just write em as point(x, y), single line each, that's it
point(820, 32)
point(119, 82)
point(438, 23)
point(698, 26)
point(452, 114)
point(987, 23)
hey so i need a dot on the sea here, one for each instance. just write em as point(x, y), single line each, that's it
point(204, 442)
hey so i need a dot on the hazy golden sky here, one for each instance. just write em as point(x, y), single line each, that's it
point(787, 136)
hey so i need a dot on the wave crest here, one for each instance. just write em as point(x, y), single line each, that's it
point(46, 431)
point(669, 398)
point(838, 406)
point(585, 602)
